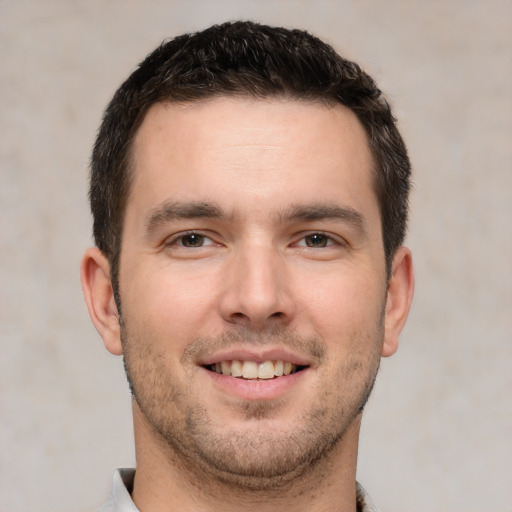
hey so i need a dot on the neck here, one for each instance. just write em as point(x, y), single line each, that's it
point(164, 477)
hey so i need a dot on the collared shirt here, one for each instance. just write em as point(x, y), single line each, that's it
point(121, 501)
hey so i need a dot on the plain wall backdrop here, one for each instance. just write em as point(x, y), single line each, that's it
point(437, 434)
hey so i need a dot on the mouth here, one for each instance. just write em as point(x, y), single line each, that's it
point(252, 370)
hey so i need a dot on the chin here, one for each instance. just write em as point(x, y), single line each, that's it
point(259, 453)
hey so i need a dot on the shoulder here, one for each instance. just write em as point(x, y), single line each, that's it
point(364, 502)
point(120, 499)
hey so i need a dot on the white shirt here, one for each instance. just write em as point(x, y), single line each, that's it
point(121, 501)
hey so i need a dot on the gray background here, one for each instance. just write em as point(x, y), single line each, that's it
point(438, 429)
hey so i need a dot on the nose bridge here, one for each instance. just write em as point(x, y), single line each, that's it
point(256, 291)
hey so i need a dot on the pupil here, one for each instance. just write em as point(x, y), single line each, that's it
point(193, 240)
point(316, 240)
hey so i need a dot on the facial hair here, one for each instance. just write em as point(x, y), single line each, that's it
point(258, 452)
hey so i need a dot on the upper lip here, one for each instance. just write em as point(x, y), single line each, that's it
point(258, 356)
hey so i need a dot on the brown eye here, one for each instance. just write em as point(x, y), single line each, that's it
point(192, 240)
point(316, 240)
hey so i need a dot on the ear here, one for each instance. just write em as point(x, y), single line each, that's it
point(99, 296)
point(399, 298)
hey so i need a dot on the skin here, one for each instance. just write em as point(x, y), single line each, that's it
point(252, 231)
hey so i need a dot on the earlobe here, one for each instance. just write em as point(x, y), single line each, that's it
point(399, 298)
point(99, 296)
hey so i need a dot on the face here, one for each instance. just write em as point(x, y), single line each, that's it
point(252, 282)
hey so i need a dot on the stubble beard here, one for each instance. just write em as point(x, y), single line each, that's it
point(254, 456)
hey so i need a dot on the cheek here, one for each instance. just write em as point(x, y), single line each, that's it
point(347, 315)
point(342, 303)
point(168, 301)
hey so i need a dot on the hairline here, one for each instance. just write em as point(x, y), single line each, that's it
point(129, 157)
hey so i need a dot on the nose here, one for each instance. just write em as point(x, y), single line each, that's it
point(256, 289)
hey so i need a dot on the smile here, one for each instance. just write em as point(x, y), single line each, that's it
point(252, 370)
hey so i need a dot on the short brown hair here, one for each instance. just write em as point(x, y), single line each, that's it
point(243, 59)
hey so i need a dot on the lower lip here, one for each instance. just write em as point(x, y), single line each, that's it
point(264, 389)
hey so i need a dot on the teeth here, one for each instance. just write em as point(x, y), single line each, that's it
point(252, 370)
point(225, 368)
point(266, 370)
point(236, 368)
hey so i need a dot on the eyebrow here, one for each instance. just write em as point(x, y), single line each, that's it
point(176, 210)
point(329, 211)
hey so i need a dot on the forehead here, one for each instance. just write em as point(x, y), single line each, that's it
point(255, 151)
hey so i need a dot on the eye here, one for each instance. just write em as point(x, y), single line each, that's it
point(317, 240)
point(192, 240)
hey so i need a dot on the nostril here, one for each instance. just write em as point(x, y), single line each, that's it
point(242, 318)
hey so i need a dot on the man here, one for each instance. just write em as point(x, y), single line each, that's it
point(249, 192)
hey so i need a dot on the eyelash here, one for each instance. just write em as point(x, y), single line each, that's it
point(329, 240)
point(174, 240)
